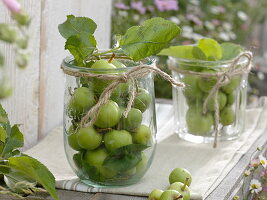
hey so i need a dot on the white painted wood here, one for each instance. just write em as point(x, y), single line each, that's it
point(52, 45)
point(23, 105)
point(100, 12)
point(51, 77)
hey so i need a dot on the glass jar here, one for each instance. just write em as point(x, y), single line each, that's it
point(190, 121)
point(115, 150)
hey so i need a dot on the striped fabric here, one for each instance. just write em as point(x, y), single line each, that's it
point(208, 166)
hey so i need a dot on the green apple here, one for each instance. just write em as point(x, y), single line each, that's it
point(171, 195)
point(118, 64)
point(117, 138)
point(230, 98)
point(222, 99)
point(108, 115)
point(191, 91)
point(133, 119)
point(82, 99)
point(89, 138)
point(155, 194)
point(142, 165)
point(103, 64)
point(142, 135)
point(100, 84)
point(96, 158)
point(198, 123)
point(130, 172)
point(180, 175)
point(206, 84)
point(227, 116)
point(182, 188)
point(234, 83)
point(142, 100)
point(72, 139)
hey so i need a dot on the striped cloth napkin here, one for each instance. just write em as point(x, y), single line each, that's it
point(208, 166)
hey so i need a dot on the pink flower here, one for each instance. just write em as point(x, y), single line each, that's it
point(186, 42)
point(244, 27)
point(263, 173)
point(150, 8)
point(166, 5)
point(194, 19)
point(12, 5)
point(221, 9)
point(264, 188)
point(121, 6)
point(138, 5)
point(255, 163)
point(215, 22)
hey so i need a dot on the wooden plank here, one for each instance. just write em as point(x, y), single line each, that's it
point(102, 196)
point(232, 183)
point(100, 12)
point(23, 105)
point(62, 194)
point(51, 55)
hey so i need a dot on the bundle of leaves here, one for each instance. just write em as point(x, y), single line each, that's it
point(137, 43)
point(21, 173)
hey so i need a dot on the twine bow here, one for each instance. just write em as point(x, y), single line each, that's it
point(129, 76)
point(223, 78)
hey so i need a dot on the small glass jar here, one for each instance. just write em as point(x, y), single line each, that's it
point(115, 150)
point(190, 121)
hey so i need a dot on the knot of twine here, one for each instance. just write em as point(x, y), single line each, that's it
point(223, 78)
point(129, 76)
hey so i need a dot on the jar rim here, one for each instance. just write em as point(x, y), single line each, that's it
point(67, 63)
point(205, 62)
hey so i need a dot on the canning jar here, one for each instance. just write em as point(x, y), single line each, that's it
point(194, 121)
point(116, 150)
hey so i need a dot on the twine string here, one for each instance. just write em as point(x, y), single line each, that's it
point(223, 78)
point(130, 76)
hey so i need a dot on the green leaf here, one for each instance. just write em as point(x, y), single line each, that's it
point(149, 39)
point(191, 52)
point(198, 53)
point(76, 25)
point(14, 140)
point(2, 134)
point(179, 52)
point(211, 48)
point(230, 50)
point(35, 170)
point(3, 116)
point(124, 158)
point(81, 46)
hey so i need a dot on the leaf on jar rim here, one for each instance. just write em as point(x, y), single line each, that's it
point(81, 46)
point(76, 25)
point(149, 39)
point(230, 50)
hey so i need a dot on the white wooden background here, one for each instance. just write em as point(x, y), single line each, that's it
point(37, 101)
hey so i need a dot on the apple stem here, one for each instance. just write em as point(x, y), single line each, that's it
point(111, 58)
point(185, 183)
point(106, 52)
point(179, 197)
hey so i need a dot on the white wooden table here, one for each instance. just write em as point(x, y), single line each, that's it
point(229, 187)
